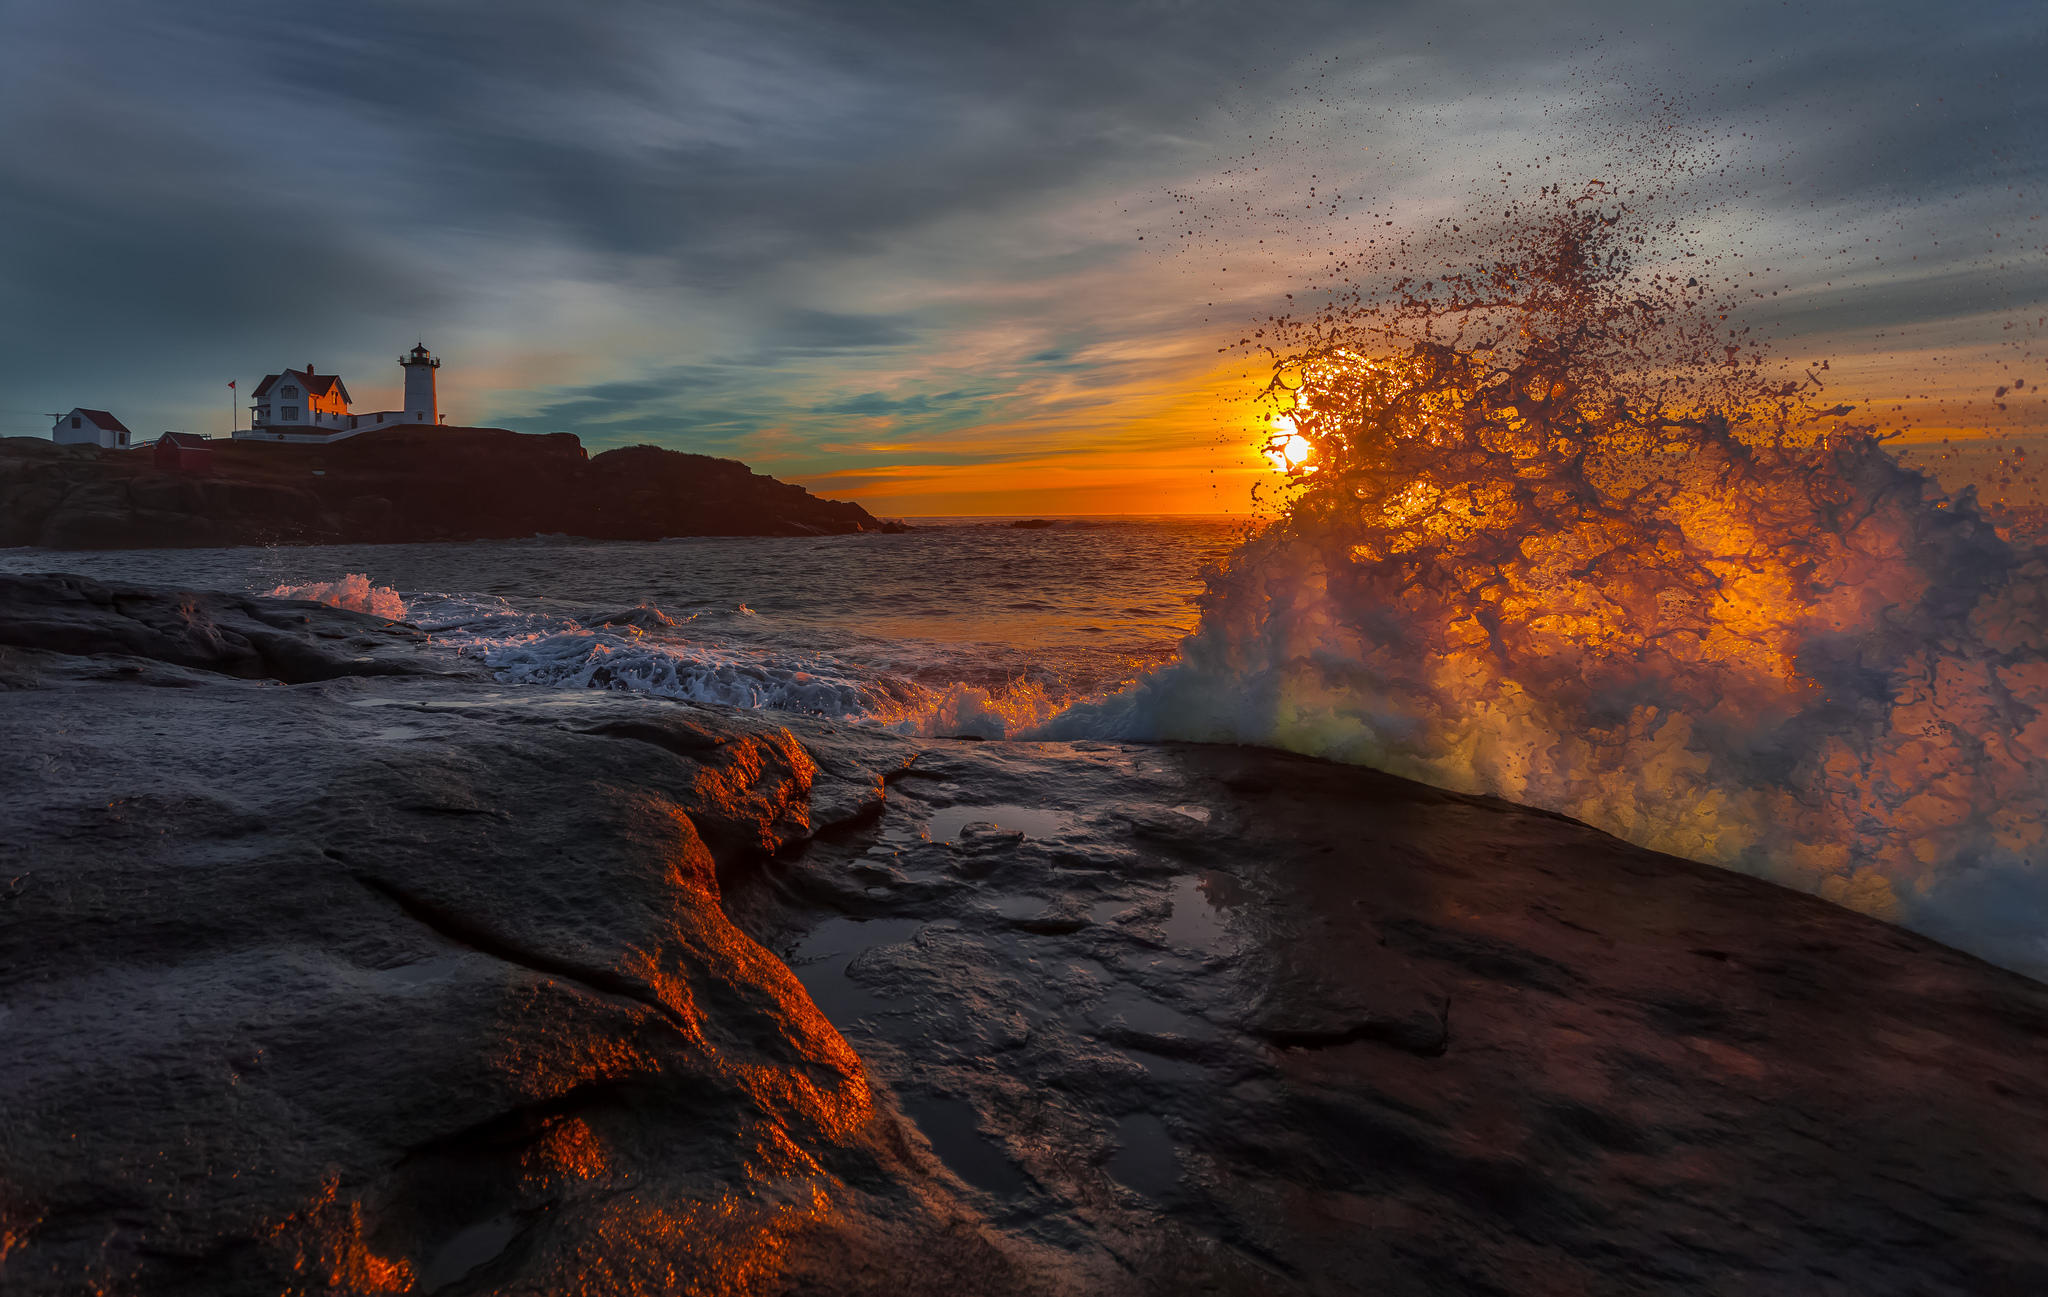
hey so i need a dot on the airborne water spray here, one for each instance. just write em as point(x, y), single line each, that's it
point(1562, 532)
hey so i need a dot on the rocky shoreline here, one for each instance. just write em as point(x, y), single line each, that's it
point(328, 963)
point(394, 486)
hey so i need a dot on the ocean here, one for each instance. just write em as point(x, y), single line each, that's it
point(971, 626)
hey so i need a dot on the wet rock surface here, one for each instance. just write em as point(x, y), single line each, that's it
point(383, 982)
point(264, 639)
point(395, 485)
point(1364, 1035)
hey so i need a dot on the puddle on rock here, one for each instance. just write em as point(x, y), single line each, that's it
point(1144, 1159)
point(469, 1250)
point(1196, 921)
point(946, 823)
point(1135, 1011)
point(1019, 907)
point(422, 971)
point(820, 961)
point(954, 1131)
point(1161, 1068)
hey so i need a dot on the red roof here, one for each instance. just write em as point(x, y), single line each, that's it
point(104, 420)
point(185, 441)
point(315, 384)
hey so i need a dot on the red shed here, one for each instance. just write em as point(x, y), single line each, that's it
point(183, 452)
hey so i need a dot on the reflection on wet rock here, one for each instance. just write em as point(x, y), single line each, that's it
point(1341, 1032)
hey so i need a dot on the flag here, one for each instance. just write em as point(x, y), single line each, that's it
point(231, 385)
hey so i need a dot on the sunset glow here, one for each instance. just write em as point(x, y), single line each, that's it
point(1053, 348)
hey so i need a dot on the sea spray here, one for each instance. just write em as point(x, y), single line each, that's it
point(353, 592)
point(1560, 533)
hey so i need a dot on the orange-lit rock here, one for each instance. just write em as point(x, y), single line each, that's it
point(424, 993)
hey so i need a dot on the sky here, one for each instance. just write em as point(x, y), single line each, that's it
point(941, 256)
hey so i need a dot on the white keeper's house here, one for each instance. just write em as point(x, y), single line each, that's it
point(83, 427)
point(304, 406)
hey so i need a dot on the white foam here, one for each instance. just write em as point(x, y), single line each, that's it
point(656, 654)
point(353, 592)
point(592, 659)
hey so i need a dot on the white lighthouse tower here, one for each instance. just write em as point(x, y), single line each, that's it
point(420, 405)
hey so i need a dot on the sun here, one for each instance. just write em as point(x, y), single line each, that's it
point(1285, 448)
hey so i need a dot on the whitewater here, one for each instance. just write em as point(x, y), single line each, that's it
point(1561, 530)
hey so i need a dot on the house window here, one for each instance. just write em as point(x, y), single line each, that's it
point(287, 391)
point(291, 412)
point(124, 438)
point(74, 421)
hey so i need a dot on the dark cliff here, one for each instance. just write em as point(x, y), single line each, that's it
point(415, 484)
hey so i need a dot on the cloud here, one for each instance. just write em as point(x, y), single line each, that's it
point(875, 404)
point(738, 226)
point(816, 333)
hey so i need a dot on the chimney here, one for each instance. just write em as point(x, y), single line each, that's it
point(309, 369)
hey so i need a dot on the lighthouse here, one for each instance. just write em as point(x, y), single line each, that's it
point(420, 364)
point(306, 406)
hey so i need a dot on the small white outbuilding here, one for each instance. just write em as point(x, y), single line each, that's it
point(83, 427)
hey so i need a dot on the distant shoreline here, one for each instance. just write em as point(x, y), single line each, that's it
point(406, 485)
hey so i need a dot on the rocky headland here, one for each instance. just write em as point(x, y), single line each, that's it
point(328, 963)
point(395, 485)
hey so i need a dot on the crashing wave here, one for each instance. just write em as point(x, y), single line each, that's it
point(1557, 535)
point(353, 592)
